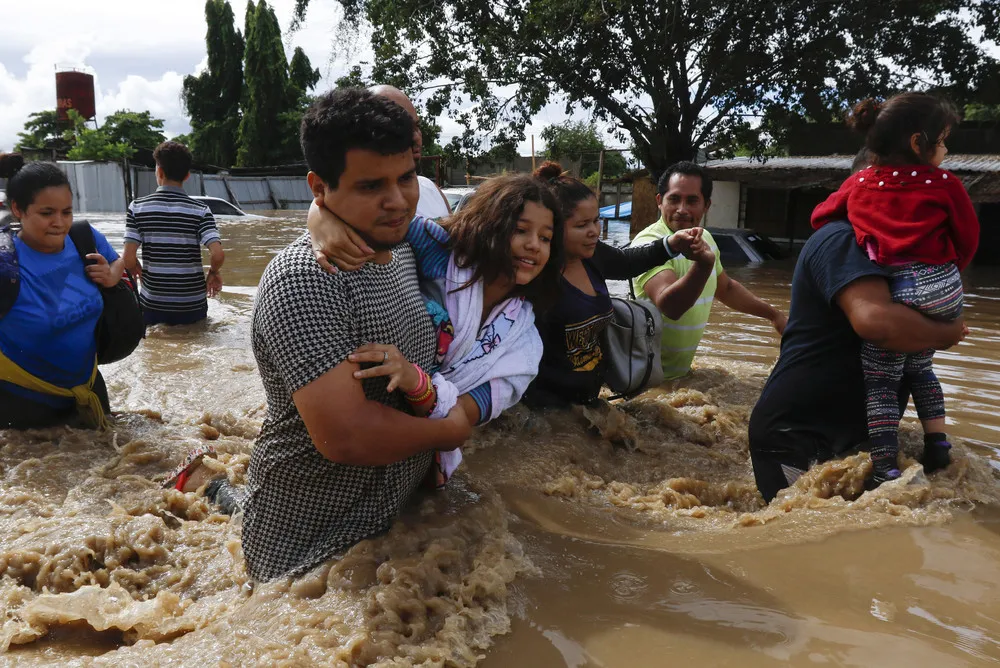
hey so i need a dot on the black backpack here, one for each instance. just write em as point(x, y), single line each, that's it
point(121, 326)
point(10, 270)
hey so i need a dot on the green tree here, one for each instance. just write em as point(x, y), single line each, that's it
point(264, 129)
point(41, 130)
point(93, 144)
point(580, 141)
point(982, 112)
point(136, 129)
point(122, 133)
point(301, 75)
point(672, 75)
point(213, 98)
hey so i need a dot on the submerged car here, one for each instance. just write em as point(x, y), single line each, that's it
point(741, 246)
point(457, 196)
point(736, 245)
point(220, 207)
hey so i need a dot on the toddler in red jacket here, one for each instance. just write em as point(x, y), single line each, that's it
point(917, 222)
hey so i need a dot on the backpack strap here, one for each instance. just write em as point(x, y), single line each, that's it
point(10, 270)
point(82, 235)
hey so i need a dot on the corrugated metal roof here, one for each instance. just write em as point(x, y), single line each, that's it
point(955, 163)
point(979, 173)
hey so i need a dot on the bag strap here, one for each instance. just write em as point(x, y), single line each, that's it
point(82, 235)
point(10, 271)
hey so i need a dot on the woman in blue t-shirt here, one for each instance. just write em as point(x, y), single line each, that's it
point(49, 331)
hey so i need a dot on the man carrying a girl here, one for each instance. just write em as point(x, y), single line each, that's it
point(875, 291)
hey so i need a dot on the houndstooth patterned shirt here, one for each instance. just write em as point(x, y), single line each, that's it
point(301, 508)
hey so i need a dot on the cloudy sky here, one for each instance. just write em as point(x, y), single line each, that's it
point(140, 51)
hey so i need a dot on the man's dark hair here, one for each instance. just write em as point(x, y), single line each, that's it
point(174, 159)
point(687, 169)
point(352, 118)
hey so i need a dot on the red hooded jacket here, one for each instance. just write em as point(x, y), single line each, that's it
point(911, 213)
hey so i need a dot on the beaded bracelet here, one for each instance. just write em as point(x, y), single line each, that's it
point(424, 390)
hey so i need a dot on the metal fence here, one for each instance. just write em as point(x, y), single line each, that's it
point(250, 193)
point(102, 187)
point(97, 186)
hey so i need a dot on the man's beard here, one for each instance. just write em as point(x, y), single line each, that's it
point(378, 245)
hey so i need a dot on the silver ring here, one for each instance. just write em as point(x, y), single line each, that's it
point(385, 357)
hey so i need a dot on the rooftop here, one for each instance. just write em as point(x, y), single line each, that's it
point(979, 173)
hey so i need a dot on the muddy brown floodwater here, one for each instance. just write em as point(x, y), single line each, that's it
point(631, 536)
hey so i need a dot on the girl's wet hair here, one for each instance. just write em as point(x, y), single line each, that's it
point(482, 230)
point(34, 177)
point(569, 190)
point(888, 126)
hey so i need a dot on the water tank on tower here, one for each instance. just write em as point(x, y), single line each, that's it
point(75, 90)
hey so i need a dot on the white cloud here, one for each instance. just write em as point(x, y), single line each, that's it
point(160, 97)
point(139, 53)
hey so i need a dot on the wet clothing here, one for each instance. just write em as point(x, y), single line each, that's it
point(573, 364)
point(908, 213)
point(682, 336)
point(431, 203)
point(19, 412)
point(153, 317)
point(50, 329)
point(936, 291)
point(812, 407)
point(300, 508)
point(429, 242)
point(171, 228)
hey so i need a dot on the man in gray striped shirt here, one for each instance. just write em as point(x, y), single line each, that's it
point(171, 228)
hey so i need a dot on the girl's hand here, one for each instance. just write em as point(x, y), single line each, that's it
point(332, 238)
point(101, 272)
point(681, 241)
point(389, 362)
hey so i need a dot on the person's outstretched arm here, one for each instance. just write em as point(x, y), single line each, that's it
point(673, 296)
point(737, 297)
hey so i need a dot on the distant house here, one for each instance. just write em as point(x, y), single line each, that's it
point(777, 196)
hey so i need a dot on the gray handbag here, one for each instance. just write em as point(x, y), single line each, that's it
point(632, 346)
